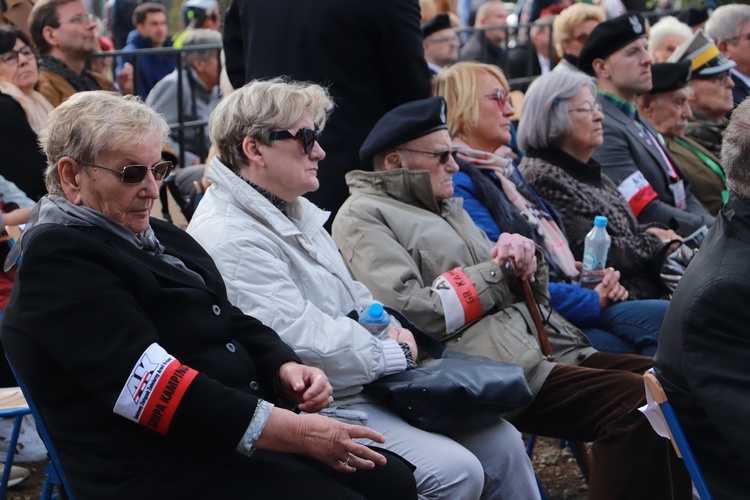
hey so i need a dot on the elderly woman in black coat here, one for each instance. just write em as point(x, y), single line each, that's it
point(148, 378)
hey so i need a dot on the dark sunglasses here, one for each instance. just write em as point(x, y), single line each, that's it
point(133, 174)
point(306, 135)
point(442, 156)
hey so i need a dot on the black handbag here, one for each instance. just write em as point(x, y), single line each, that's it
point(452, 391)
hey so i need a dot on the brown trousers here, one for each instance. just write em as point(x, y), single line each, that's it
point(598, 402)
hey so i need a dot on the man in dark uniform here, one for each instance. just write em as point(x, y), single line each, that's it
point(369, 55)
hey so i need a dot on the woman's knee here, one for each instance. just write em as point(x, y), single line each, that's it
point(452, 471)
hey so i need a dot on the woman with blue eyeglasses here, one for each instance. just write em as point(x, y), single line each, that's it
point(499, 199)
point(23, 112)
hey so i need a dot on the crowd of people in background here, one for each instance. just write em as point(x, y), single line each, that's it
point(368, 151)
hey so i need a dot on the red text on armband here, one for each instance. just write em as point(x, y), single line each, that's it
point(154, 389)
point(637, 191)
point(459, 298)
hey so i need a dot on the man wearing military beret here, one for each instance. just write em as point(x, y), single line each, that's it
point(667, 107)
point(646, 175)
point(440, 43)
point(414, 246)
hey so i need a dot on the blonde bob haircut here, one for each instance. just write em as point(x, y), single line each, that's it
point(260, 107)
point(458, 86)
point(88, 124)
point(565, 24)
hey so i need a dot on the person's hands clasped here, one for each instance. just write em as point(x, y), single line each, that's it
point(403, 335)
point(305, 385)
point(519, 250)
point(610, 289)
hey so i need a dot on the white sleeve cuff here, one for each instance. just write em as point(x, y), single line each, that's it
point(392, 359)
point(258, 422)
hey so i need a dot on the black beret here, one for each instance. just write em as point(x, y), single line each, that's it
point(437, 23)
point(609, 37)
point(693, 16)
point(670, 76)
point(403, 124)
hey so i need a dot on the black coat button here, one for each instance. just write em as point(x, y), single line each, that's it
point(254, 385)
point(216, 309)
point(230, 347)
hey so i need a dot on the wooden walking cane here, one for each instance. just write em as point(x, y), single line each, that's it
point(536, 317)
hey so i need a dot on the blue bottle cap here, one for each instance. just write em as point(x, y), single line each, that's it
point(600, 221)
point(376, 310)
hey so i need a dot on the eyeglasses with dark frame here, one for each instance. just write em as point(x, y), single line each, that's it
point(11, 56)
point(501, 97)
point(442, 156)
point(306, 135)
point(587, 108)
point(133, 174)
point(721, 78)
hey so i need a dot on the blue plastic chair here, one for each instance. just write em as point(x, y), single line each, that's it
point(674, 429)
point(12, 405)
point(53, 475)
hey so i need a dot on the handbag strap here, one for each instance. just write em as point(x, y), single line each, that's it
point(424, 340)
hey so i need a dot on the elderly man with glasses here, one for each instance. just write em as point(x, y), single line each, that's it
point(712, 85)
point(440, 43)
point(729, 26)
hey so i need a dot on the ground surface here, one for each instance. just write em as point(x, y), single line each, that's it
point(555, 468)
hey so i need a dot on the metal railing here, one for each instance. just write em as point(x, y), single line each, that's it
point(180, 125)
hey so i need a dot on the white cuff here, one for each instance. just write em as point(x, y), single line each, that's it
point(392, 359)
point(257, 423)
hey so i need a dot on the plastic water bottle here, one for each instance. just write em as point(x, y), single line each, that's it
point(595, 251)
point(376, 320)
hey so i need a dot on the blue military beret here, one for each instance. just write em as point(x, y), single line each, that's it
point(405, 123)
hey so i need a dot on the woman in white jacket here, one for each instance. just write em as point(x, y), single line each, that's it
point(282, 267)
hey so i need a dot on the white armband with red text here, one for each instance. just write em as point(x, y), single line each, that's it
point(154, 389)
point(459, 299)
point(637, 191)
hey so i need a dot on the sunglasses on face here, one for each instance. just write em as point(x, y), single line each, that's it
point(501, 97)
point(442, 156)
point(133, 174)
point(306, 135)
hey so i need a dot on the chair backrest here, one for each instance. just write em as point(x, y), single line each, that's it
point(674, 429)
point(41, 427)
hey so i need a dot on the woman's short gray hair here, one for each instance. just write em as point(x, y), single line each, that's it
point(90, 123)
point(545, 120)
point(200, 37)
point(260, 107)
point(735, 150)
